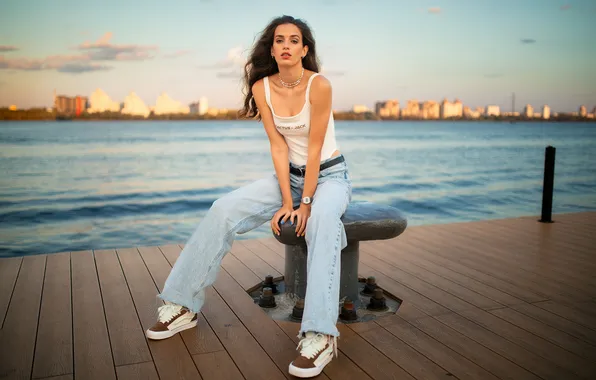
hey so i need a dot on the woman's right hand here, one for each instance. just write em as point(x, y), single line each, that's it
point(283, 214)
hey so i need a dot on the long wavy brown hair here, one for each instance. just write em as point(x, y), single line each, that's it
point(260, 64)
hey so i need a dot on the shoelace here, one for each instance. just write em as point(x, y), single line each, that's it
point(311, 345)
point(168, 311)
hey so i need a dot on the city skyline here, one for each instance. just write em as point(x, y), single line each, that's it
point(477, 52)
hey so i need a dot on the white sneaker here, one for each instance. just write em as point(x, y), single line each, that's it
point(316, 351)
point(172, 320)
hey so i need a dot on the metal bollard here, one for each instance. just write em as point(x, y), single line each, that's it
point(548, 185)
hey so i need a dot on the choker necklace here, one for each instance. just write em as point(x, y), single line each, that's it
point(293, 84)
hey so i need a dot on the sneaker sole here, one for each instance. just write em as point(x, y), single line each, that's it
point(309, 372)
point(158, 335)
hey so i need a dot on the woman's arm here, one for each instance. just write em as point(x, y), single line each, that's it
point(278, 146)
point(320, 99)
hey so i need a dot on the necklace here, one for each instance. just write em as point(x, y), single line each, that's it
point(293, 84)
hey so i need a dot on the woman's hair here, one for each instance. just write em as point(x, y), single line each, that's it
point(260, 64)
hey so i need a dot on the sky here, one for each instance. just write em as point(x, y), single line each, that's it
point(478, 51)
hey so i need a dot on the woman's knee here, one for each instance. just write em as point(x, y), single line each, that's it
point(223, 206)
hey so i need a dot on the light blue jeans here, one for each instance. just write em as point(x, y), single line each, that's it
point(249, 207)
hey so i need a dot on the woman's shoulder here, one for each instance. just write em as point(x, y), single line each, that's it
point(319, 81)
point(320, 87)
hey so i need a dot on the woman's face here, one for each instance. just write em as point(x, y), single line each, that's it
point(288, 48)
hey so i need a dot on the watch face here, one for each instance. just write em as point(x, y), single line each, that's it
point(306, 200)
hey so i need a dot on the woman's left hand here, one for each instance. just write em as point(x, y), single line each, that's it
point(299, 217)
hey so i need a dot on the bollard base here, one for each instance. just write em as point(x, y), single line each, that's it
point(285, 304)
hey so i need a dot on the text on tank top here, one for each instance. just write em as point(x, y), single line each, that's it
point(295, 129)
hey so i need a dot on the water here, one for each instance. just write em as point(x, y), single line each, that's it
point(69, 186)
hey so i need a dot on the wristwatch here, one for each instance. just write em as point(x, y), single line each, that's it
point(306, 200)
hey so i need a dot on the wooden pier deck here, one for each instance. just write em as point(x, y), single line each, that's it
point(501, 299)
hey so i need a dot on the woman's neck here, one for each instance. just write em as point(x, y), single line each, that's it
point(290, 74)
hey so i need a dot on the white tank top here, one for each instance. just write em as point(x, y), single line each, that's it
point(295, 129)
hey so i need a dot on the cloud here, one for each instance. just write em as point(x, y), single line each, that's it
point(332, 73)
point(565, 7)
point(177, 54)
point(528, 41)
point(81, 67)
point(234, 58)
point(234, 74)
point(434, 10)
point(493, 75)
point(83, 62)
point(103, 50)
point(232, 66)
point(7, 48)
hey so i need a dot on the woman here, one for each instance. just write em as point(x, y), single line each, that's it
point(293, 102)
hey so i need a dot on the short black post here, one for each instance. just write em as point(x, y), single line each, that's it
point(547, 187)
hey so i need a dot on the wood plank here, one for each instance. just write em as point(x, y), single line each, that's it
point(536, 240)
point(269, 250)
point(137, 371)
point(416, 284)
point(92, 351)
point(569, 313)
point(531, 342)
point(63, 377)
point(259, 266)
point(9, 270)
point(198, 340)
point(475, 352)
point(371, 360)
point(524, 245)
point(523, 357)
point(423, 303)
point(557, 322)
point(127, 337)
point(428, 252)
point(171, 358)
point(17, 338)
point(457, 365)
point(248, 355)
point(404, 355)
point(244, 276)
point(53, 350)
point(217, 366)
point(560, 338)
point(405, 252)
point(472, 256)
point(443, 283)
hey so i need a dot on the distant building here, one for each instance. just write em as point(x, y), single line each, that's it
point(449, 110)
point(388, 108)
point(493, 110)
point(70, 105)
point(166, 105)
point(430, 110)
point(582, 111)
point(412, 110)
point(472, 114)
point(528, 111)
point(199, 108)
point(359, 108)
point(545, 112)
point(133, 105)
point(99, 101)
